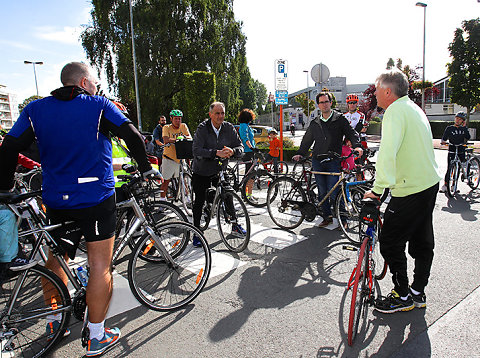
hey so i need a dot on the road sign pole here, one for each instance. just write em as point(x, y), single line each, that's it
point(281, 132)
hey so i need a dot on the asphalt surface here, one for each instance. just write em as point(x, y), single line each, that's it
point(285, 297)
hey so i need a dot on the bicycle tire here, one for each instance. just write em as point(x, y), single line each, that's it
point(261, 182)
point(473, 173)
point(368, 172)
point(348, 216)
point(282, 167)
point(156, 214)
point(452, 179)
point(30, 336)
point(205, 217)
point(359, 295)
point(162, 286)
point(234, 241)
point(283, 199)
point(186, 193)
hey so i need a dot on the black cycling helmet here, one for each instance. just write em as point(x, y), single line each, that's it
point(461, 115)
point(176, 113)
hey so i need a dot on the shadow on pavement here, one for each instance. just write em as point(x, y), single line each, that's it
point(461, 204)
point(292, 274)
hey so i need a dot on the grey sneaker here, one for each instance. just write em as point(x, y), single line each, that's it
point(420, 300)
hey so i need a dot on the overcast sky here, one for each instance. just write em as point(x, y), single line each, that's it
point(352, 38)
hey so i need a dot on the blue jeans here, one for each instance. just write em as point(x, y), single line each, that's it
point(325, 183)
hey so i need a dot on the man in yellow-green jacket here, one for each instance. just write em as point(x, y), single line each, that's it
point(406, 165)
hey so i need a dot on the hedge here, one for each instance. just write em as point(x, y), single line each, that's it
point(438, 127)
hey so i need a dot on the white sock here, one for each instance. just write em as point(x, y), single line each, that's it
point(415, 292)
point(97, 330)
point(404, 298)
point(54, 317)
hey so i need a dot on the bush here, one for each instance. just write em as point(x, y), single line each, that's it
point(288, 153)
point(287, 143)
point(439, 127)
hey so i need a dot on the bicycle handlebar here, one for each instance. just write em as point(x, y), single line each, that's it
point(13, 198)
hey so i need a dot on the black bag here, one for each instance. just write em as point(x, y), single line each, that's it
point(370, 212)
point(184, 149)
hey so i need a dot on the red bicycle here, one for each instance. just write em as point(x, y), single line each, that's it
point(370, 267)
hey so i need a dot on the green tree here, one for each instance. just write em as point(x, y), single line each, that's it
point(199, 92)
point(464, 70)
point(390, 64)
point(26, 101)
point(171, 38)
point(260, 96)
point(305, 103)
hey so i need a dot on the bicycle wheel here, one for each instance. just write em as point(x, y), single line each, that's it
point(233, 222)
point(163, 285)
point(347, 212)
point(23, 332)
point(452, 179)
point(261, 182)
point(282, 167)
point(186, 193)
point(360, 293)
point(368, 172)
point(284, 199)
point(473, 170)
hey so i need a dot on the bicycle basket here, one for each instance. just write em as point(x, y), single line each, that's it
point(184, 149)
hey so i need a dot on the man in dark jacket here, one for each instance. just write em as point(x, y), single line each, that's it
point(72, 128)
point(213, 139)
point(454, 135)
point(327, 132)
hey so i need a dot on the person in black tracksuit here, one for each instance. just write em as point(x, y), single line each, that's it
point(327, 132)
point(213, 139)
point(455, 134)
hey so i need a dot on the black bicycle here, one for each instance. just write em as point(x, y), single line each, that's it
point(233, 221)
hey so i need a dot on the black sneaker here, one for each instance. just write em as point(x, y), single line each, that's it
point(19, 264)
point(393, 303)
point(420, 300)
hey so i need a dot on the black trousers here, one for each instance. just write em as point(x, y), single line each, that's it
point(409, 219)
point(200, 184)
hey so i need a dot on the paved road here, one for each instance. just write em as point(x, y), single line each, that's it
point(285, 297)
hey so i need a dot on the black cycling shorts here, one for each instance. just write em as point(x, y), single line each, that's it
point(96, 223)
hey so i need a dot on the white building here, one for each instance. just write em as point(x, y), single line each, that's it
point(8, 108)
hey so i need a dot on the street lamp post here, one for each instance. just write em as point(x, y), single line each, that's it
point(308, 97)
point(34, 72)
point(135, 76)
point(421, 4)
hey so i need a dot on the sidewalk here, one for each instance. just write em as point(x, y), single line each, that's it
point(436, 143)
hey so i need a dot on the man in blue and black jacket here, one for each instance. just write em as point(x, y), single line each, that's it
point(455, 134)
point(72, 129)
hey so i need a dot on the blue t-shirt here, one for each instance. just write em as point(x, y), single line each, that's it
point(246, 133)
point(76, 154)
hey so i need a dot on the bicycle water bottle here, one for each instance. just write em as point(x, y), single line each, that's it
point(82, 276)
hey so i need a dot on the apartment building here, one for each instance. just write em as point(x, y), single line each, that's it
point(8, 108)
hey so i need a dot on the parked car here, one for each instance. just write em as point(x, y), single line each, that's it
point(260, 133)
